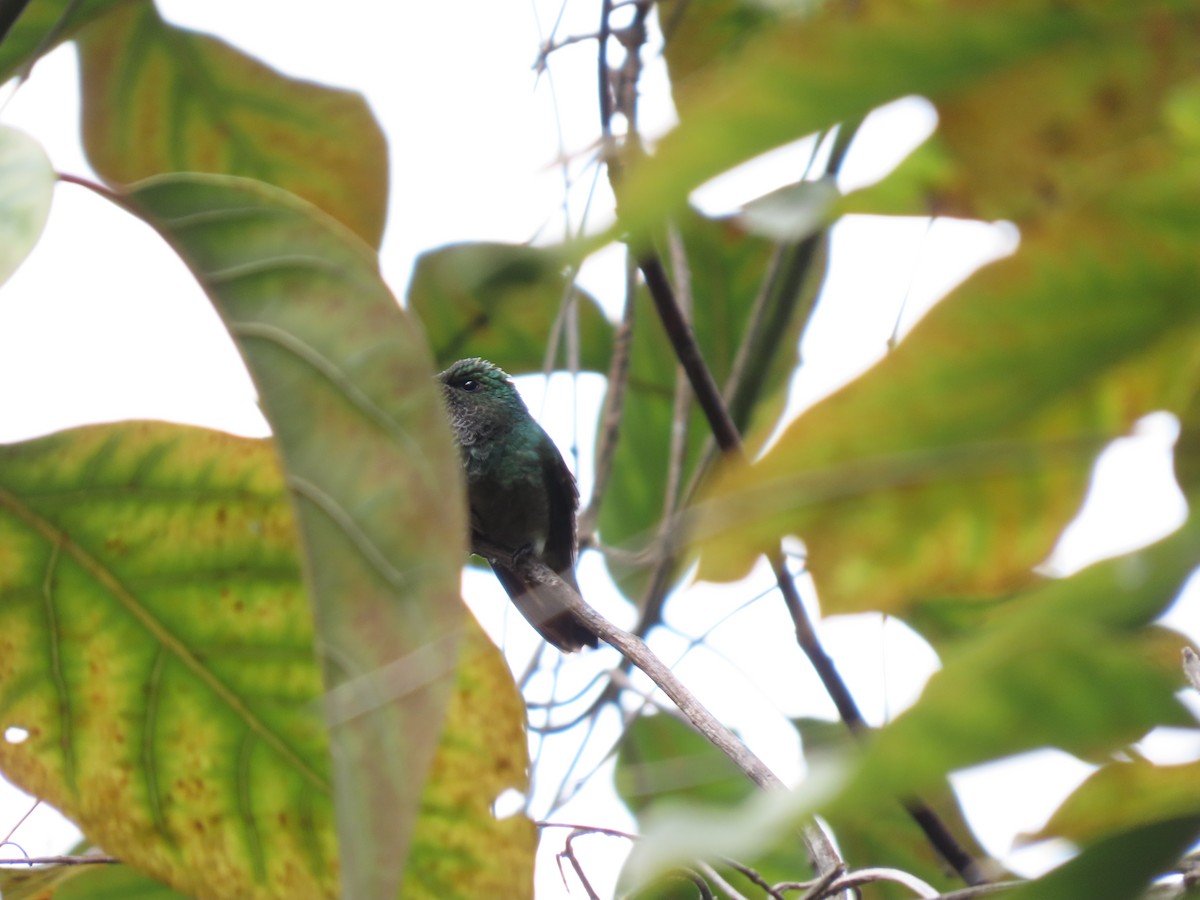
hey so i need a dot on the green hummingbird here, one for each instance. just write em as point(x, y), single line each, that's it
point(521, 494)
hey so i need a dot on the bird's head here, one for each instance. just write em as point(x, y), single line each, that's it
point(475, 386)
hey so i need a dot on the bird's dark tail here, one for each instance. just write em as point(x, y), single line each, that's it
point(546, 611)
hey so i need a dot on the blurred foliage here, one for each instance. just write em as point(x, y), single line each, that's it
point(160, 586)
point(503, 302)
point(158, 98)
point(26, 171)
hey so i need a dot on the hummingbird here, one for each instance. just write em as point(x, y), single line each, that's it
point(521, 494)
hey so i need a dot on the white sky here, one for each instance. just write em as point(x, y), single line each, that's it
point(102, 322)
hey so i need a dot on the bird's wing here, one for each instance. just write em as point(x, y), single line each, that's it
point(562, 501)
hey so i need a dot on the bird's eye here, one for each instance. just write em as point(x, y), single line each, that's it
point(470, 385)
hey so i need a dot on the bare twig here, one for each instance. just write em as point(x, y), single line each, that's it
point(533, 571)
point(754, 877)
point(84, 860)
point(613, 410)
point(568, 853)
point(698, 880)
point(683, 340)
point(714, 876)
point(549, 47)
point(20, 822)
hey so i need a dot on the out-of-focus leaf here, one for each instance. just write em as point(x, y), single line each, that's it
point(663, 764)
point(660, 758)
point(26, 188)
point(803, 77)
point(698, 34)
point(1118, 867)
point(501, 302)
point(1125, 795)
point(460, 849)
point(790, 213)
point(1060, 669)
point(675, 834)
point(43, 25)
point(1063, 126)
point(882, 832)
point(157, 98)
point(92, 882)
point(156, 645)
point(345, 381)
point(951, 468)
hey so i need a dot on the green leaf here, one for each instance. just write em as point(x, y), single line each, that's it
point(1064, 668)
point(502, 302)
point(660, 758)
point(158, 649)
point(156, 646)
point(42, 26)
point(1122, 795)
point(882, 832)
point(699, 34)
point(26, 188)
point(460, 849)
point(91, 882)
point(1116, 868)
point(345, 381)
point(157, 98)
point(1065, 126)
point(664, 766)
point(807, 76)
point(952, 466)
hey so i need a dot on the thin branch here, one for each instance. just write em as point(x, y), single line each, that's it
point(568, 852)
point(687, 349)
point(754, 877)
point(21, 821)
point(85, 860)
point(533, 571)
point(613, 411)
point(859, 877)
point(698, 880)
point(549, 47)
point(714, 876)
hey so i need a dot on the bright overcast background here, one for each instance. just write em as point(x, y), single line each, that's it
point(103, 323)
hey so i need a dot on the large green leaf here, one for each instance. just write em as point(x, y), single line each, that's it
point(156, 646)
point(90, 882)
point(951, 467)
point(26, 188)
point(882, 832)
point(502, 302)
point(345, 381)
point(1123, 795)
point(698, 34)
point(158, 650)
point(1063, 668)
point(460, 850)
point(157, 98)
point(1120, 867)
point(43, 25)
point(663, 764)
point(806, 76)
